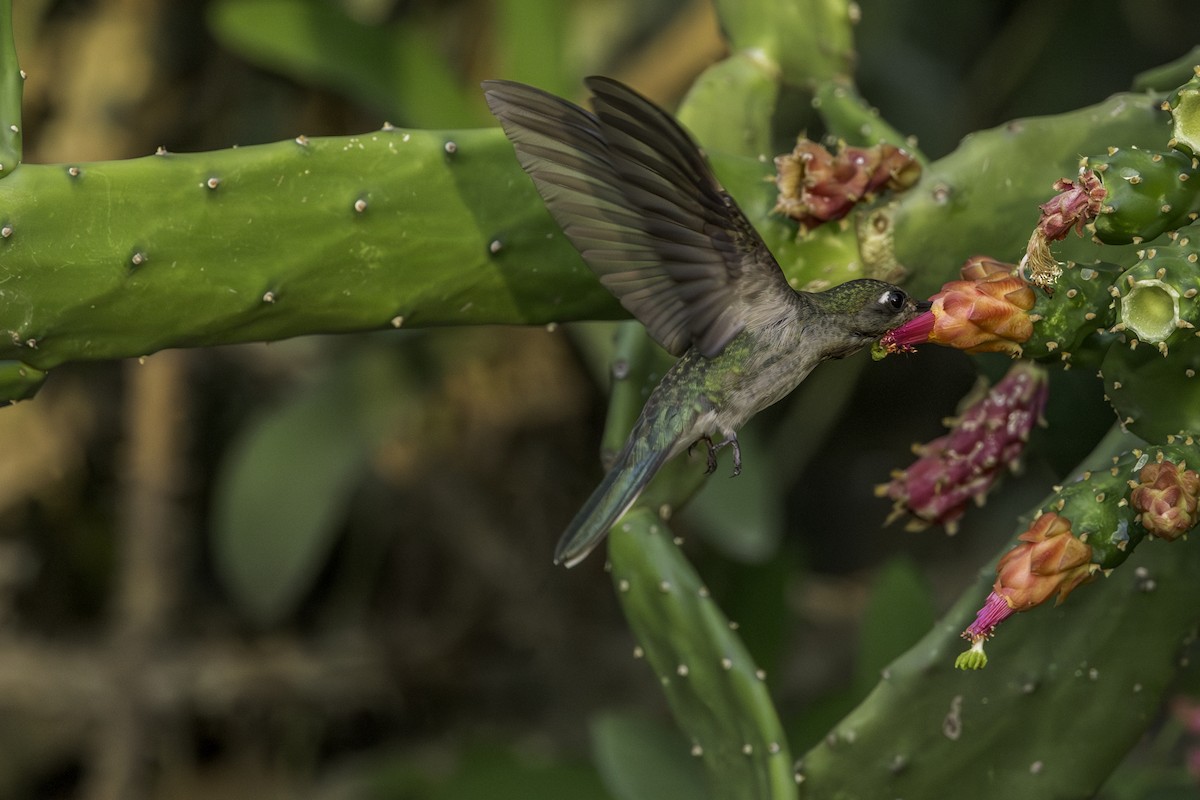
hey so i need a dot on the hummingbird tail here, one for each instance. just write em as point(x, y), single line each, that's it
point(611, 499)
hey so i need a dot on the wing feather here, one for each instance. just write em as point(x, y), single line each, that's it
point(636, 197)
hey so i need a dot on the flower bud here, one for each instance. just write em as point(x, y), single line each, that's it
point(817, 186)
point(1049, 561)
point(1166, 495)
point(985, 312)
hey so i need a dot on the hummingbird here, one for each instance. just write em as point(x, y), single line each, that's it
point(636, 197)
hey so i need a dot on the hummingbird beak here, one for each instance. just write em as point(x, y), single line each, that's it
point(924, 305)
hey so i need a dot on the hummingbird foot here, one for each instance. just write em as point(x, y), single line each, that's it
point(732, 441)
point(710, 456)
point(737, 456)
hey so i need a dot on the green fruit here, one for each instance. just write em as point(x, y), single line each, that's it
point(1149, 193)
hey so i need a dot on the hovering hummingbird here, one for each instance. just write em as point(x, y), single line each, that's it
point(636, 197)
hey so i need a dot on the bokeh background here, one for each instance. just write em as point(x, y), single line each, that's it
point(321, 568)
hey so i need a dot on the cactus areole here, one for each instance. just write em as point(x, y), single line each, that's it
point(1150, 310)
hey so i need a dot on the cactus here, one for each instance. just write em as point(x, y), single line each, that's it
point(1051, 717)
point(1157, 295)
point(1154, 396)
point(925, 728)
point(1184, 105)
point(717, 692)
point(1150, 373)
point(1147, 193)
point(271, 241)
point(1073, 325)
point(11, 84)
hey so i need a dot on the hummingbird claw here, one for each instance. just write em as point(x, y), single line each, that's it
point(737, 456)
point(710, 456)
point(732, 441)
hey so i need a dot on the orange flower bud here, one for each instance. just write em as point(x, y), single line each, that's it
point(1050, 560)
point(1166, 494)
point(985, 312)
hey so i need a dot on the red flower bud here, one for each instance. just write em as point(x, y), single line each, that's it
point(817, 186)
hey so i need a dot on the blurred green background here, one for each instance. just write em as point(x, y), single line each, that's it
point(321, 568)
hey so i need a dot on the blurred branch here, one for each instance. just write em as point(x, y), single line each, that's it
point(150, 574)
point(213, 678)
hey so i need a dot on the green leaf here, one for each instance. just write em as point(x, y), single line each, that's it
point(642, 760)
point(285, 483)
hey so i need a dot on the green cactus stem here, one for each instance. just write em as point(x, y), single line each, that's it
point(1090, 525)
point(1157, 295)
point(966, 204)
point(1148, 193)
point(1071, 325)
point(745, 129)
point(119, 259)
point(1184, 105)
point(928, 726)
point(1154, 396)
point(805, 43)
point(12, 84)
point(377, 231)
point(717, 693)
point(848, 118)
point(1100, 506)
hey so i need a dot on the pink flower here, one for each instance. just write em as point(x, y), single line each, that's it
point(1075, 205)
point(817, 186)
point(965, 464)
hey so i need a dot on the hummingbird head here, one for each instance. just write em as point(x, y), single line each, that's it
point(867, 309)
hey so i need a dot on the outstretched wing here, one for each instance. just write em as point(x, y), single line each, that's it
point(635, 196)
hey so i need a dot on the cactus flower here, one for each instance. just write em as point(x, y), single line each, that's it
point(965, 464)
point(816, 186)
point(1050, 560)
point(1166, 496)
point(1075, 205)
point(987, 311)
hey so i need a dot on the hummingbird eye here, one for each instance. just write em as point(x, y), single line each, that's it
point(893, 299)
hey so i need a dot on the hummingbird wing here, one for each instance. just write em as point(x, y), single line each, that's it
point(634, 194)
